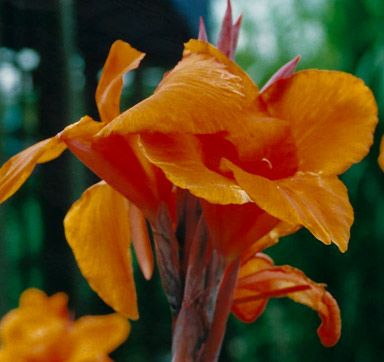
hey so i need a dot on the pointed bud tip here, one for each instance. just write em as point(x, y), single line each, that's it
point(202, 31)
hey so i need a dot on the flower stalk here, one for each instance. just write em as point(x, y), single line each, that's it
point(208, 288)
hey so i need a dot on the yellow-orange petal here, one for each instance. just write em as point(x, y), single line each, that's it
point(200, 96)
point(97, 335)
point(319, 203)
point(17, 169)
point(9, 356)
point(34, 335)
point(266, 281)
point(181, 159)
point(37, 301)
point(381, 155)
point(97, 229)
point(333, 116)
point(121, 59)
point(140, 241)
point(83, 130)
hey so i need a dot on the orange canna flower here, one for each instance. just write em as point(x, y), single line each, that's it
point(260, 162)
point(41, 330)
point(208, 129)
point(211, 131)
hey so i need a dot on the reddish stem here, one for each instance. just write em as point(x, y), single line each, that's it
point(223, 307)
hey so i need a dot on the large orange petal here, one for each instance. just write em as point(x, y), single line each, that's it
point(332, 114)
point(119, 161)
point(17, 169)
point(318, 202)
point(121, 59)
point(182, 160)
point(261, 282)
point(97, 229)
point(97, 335)
point(200, 96)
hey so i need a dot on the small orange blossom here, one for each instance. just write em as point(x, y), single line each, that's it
point(42, 330)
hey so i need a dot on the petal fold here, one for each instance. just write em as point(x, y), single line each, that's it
point(332, 114)
point(121, 59)
point(98, 231)
point(181, 159)
point(318, 202)
point(18, 168)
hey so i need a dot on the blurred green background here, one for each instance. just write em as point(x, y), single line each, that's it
point(51, 53)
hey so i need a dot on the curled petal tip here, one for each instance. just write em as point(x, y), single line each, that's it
point(330, 328)
point(202, 31)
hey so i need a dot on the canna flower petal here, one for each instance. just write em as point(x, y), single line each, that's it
point(25, 333)
point(259, 281)
point(327, 110)
point(121, 59)
point(37, 302)
point(203, 70)
point(320, 203)
point(98, 335)
point(181, 159)
point(97, 229)
point(250, 308)
point(17, 169)
point(119, 161)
